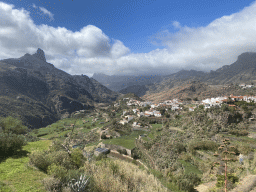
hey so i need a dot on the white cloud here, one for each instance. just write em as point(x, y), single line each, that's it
point(89, 50)
point(44, 12)
point(176, 24)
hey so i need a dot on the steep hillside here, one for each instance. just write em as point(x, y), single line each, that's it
point(30, 81)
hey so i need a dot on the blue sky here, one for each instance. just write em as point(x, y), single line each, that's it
point(128, 37)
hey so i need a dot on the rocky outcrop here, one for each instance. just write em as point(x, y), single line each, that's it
point(44, 93)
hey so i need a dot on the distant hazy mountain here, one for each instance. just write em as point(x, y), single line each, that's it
point(241, 71)
point(118, 83)
point(39, 94)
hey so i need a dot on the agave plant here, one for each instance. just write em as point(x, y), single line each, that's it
point(80, 185)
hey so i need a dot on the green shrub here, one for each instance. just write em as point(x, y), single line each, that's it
point(187, 182)
point(221, 179)
point(179, 147)
point(56, 146)
point(12, 125)
point(203, 145)
point(58, 171)
point(62, 158)
point(103, 136)
point(11, 143)
point(136, 153)
point(40, 159)
point(77, 157)
point(30, 138)
point(239, 132)
point(74, 173)
point(52, 184)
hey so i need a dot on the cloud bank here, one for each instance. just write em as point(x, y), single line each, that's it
point(91, 51)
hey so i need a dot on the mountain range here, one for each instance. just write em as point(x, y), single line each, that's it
point(39, 94)
point(189, 83)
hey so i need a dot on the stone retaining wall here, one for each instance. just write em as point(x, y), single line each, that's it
point(116, 147)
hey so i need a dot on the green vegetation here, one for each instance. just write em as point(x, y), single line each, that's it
point(181, 149)
point(125, 141)
point(17, 174)
point(190, 168)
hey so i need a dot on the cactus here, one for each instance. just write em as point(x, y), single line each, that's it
point(80, 185)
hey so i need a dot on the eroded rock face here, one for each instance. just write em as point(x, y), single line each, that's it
point(40, 54)
point(64, 105)
point(45, 94)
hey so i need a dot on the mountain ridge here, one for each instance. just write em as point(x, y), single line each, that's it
point(38, 82)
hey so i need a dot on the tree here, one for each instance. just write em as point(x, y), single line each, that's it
point(12, 125)
point(201, 107)
point(162, 111)
point(11, 139)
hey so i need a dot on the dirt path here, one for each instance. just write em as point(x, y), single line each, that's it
point(246, 184)
point(176, 129)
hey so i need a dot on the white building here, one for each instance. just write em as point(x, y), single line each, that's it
point(124, 121)
point(192, 108)
point(129, 117)
point(140, 114)
point(157, 114)
point(148, 113)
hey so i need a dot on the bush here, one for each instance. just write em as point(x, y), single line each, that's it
point(119, 151)
point(52, 184)
point(57, 171)
point(12, 125)
point(239, 132)
point(203, 145)
point(74, 174)
point(40, 159)
point(10, 143)
point(136, 153)
point(231, 180)
point(103, 136)
point(179, 147)
point(30, 138)
point(56, 146)
point(61, 158)
point(188, 181)
point(77, 157)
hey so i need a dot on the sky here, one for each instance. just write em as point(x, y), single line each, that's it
point(129, 37)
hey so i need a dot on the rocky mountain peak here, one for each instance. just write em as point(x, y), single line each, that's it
point(40, 54)
point(247, 56)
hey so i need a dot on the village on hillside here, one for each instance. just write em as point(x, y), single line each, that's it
point(175, 105)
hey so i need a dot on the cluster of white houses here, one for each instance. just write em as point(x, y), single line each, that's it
point(175, 105)
point(219, 100)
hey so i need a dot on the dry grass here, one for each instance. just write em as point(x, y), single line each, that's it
point(116, 175)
